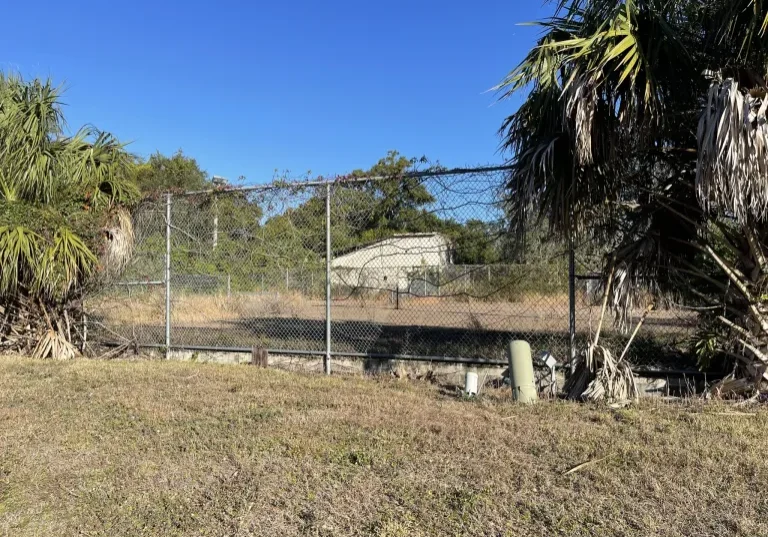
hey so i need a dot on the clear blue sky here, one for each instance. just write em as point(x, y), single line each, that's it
point(250, 87)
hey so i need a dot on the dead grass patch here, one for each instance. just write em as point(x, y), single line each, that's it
point(534, 313)
point(159, 448)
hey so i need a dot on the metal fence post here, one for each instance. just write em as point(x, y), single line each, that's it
point(327, 360)
point(215, 223)
point(572, 304)
point(167, 274)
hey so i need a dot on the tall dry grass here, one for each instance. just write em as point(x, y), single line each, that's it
point(196, 309)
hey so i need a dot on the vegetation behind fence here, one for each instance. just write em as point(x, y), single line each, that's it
point(421, 266)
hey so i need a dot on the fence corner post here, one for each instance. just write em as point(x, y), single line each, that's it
point(327, 358)
point(167, 275)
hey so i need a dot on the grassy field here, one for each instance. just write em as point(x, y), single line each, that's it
point(159, 448)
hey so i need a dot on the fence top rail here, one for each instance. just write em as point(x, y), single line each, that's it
point(345, 179)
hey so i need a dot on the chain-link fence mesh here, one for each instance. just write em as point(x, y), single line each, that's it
point(424, 267)
point(247, 269)
point(133, 308)
point(421, 266)
point(663, 342)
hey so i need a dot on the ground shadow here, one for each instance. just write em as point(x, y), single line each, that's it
point(647, 352)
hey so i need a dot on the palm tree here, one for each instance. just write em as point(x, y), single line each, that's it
point(645, 126)
point(61, 222)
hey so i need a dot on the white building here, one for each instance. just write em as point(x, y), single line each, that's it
point(393, 262)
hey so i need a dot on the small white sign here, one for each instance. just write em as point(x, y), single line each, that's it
point(547, 359)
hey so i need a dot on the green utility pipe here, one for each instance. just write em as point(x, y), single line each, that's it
point(521, 372)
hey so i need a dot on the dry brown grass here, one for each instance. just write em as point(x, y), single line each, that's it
point(158, 448)
point(193, 310)
point(534, 313)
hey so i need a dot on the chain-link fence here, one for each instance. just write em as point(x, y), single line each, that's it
point(663, 343)
point(418, 267)
point(133, 309)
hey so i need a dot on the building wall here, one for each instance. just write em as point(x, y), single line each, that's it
point(389, 263)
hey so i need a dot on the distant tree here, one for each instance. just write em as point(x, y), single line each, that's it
point(177, 172)
point(475, 243)
point(281, 243)
point(398, 199)
point(366, 212)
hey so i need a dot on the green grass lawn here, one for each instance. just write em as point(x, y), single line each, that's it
point(158, 448)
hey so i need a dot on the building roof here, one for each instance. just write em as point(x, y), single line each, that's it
point(410, 250)
point(365, 245)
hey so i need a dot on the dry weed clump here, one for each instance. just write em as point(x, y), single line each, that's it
point(125, 448)
point(148, 308)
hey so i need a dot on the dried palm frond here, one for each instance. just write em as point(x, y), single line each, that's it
point(622, 297)
point(614, 380)
point(120, 241)
point(54, 345)
point(598, 376)
point(601, 377)
point(581, 106)
point(732, 173)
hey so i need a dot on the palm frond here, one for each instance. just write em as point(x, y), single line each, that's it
point(742, 23)
point(596, 81)
point(30, 118)
point(98, 162)
point(732, 173)
point(54, 345)
point(66, 263)
point(120, 241)
point(19, 258)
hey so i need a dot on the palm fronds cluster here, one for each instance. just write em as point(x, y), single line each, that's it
point(62, 216)
point(645, 127)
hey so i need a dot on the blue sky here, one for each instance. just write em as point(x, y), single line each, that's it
point(250, 87)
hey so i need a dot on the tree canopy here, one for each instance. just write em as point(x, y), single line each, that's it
point(57, 191)
point(644, 126)
point(178, 172)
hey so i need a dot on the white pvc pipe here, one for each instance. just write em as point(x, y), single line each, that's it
point(470, 383)
point(521, 372)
